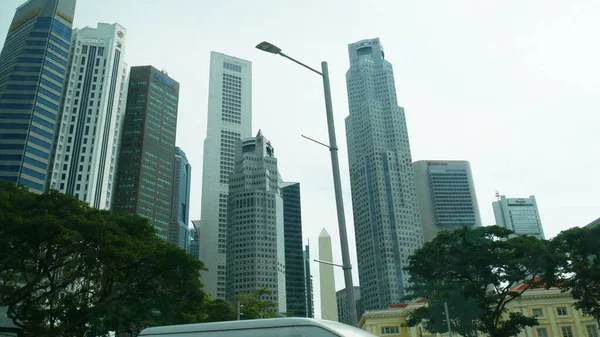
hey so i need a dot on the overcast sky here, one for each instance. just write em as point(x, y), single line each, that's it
point(512, 86)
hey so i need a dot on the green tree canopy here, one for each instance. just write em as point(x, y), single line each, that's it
point(67, 268)
point(255, 305)
point(475, 271)
point(577, 253)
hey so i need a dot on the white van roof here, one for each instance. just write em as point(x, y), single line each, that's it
point(248, 324)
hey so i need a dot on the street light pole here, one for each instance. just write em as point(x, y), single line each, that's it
point(335, 167)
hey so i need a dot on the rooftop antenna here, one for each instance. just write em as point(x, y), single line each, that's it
point(498, 195)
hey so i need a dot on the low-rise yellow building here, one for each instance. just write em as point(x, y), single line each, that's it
point(554, 310)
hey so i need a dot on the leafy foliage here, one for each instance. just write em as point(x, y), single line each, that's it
point(67, 269)
point(220, 310)
point(255, 305)
point(577, 253)
point(475, 271)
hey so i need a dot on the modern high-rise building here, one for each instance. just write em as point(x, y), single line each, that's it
point(144, 182)
point(446, 194)
point(229, 120)
point(327, 278)
point(519, 215)
point(342, 305)
point(179, 234)
point(255, 229)
point(194, 246)
point(387, 224)
point(86, 145)
point(33, 67)
point(294, 259)
point(308, 280)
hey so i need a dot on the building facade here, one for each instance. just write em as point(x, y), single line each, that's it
point(327, 278)
point(446, 194)
point(255, 233)
point(519, 215)
point(144, 183)
point(308, 280)
point(342, 305)
point(229, 120)
point(593, 223)
point(88, 133)
point(387, 224)
point(179, 233)
point(33, 66)
point(295, 277)
point(194, 245)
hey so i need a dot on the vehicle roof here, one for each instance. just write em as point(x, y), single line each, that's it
point(235, 325)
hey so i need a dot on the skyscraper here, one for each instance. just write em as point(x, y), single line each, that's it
point(342, 305)
point(194, 246)
point(310, 307)
point(387, 225)
point(255, 230)
point(519, 215)
point(446, 194)
point(145, 170)
point(294, 259)
point(327, 278)
point(32, 75)
point(180, 206)
point(229, 120)
point(86, 149)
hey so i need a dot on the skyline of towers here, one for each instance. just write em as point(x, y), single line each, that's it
point(86, 144)
point(33, 65)
point(229, 119)
point(144, 179)
point(446, 194)
point(255, 234)
point(385, 207)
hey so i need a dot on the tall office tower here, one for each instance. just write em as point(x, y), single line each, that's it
point(194, 245)
point(179, 234)
point(327, 278)
point(342, 305)
point(519, 215)
point(294, 259)
point(145, 170)
point(86, 145)
point(387, 225)
point(446, 194)
point(255, 230)
point(229, 120)
point(308, 280)
point(32, 75)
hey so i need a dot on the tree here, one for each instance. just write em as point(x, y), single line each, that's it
point(64, 267)
point(475, 271)
point(577, 252)
point(255, 305)
point(220, 310)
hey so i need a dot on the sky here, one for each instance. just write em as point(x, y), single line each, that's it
point(511, 86)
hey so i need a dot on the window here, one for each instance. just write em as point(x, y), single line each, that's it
point(387, 330)
point(542, 332)
point(561, 311)
point(538, 312)
point(566, 331)
point(592, 330)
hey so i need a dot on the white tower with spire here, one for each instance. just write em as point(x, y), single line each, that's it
point(326, 278)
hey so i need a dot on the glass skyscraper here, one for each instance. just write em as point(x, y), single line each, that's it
point(179, 233)
point(446, 194)
point(229, 120)
point(519, 215)
point(294, 259)
point(144, 182)
point(33, 66)
point(387, 224)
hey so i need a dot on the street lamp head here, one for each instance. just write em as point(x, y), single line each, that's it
point(268, 47)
